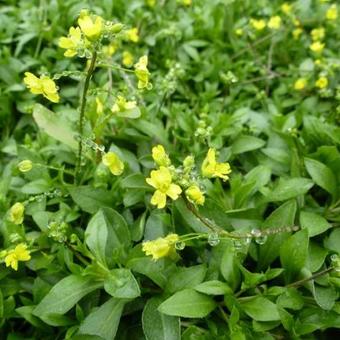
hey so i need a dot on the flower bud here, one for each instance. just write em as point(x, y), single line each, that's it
point(25, 165)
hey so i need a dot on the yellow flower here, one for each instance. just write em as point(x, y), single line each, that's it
point(317, 47)
point(100, 106)
point(300, 84)
point(132, 34)
point(91, 27)
point(111, 49)
point(210, 168)
point(259, 25)
point(195, 195)
point(71, 42)
point(274, 22)
point(25, 165)
point(185, 2)
point(122, 105)
point(161, 180)
point(16, 213)
point(160, 247)
point(297, 32)
point(318, 33)
point(19, 253)
point(160, 156)
point(42, 85)
point(150, 3)
point(127, 59)
point(113, 162)
point(332, 13)
point(286, 8)
point(142, 72)
point(321, 83)
point(239, 31)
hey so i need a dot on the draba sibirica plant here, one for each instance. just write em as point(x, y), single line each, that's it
point(169, 170)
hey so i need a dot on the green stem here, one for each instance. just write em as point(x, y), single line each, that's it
point(82, 113)
point(312, 277)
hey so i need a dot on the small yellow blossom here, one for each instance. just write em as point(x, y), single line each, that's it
point(91, 27)
point(317, 47)
point(16, 213)
point(239, 31)
point(195, 195)
point(160, 247)
point(71, 42)
point(211, 168)
point(19, 253)
point(161, 180)
point(25, 165)
point(127, 59)
point(111, 49)
point(300, 84)
point(99, 107)
point(317, 33)
point(114, 163)
point(142, 72)
point(321, 83)
point(274, 22)
point(318, 62)
point(297, 32)
point(160, 157)
point(150, 3)
point(332, 13)
point(43, 85)
point(259, 25)
point(122, 105)
point(286, 8)
point(186, 2)
point(132, 34)
point(297, 22)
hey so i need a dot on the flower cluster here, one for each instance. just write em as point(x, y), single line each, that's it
point(172, 182)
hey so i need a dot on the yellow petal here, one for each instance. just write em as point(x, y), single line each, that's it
point(174, 191)
point(158, 199)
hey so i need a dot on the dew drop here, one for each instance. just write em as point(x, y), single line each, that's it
point(256, 232)
point(238, 244)
point(213, 239)
point(261, 239)
point(334, 257)
point(180, 245)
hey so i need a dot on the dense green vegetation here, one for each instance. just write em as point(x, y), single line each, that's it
point(169, 169)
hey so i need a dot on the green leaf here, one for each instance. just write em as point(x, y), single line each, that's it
point(188, 304)
point(293, 254)
point(213, 287)
point(289, 188)
point(107, 234)
point(122, 284)
point(283, 216)
point(54, 125)
point(104, 321)
point(260, 309)
point(315, 224)
point(65, 294)
point(246, 143)
point(325, 297)
point(322, 175)
point(229, 266)
point(135, 181)
point(333, 241)
point(131, 113)
point(186, 278)
point(158, 326)
point(91, 199)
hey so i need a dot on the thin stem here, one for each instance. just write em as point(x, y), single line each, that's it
point(82, 112)
point(312, 277)
point(114, 67)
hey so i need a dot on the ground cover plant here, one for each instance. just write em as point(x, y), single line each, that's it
point(169, 169)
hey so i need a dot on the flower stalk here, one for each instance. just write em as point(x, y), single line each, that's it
point(82, 113)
